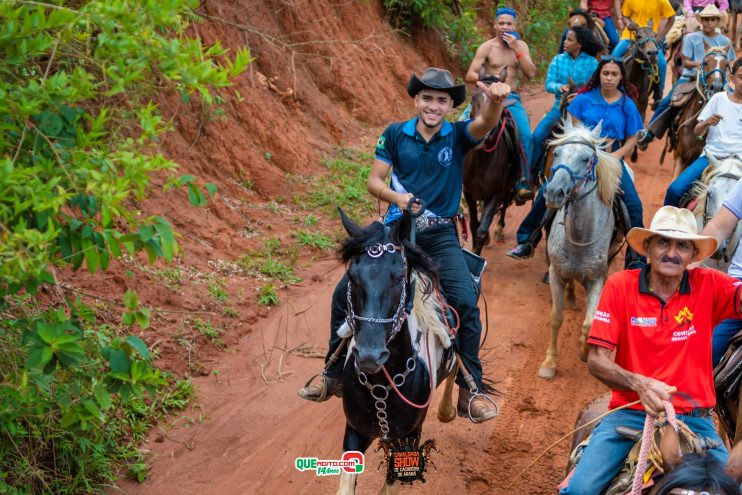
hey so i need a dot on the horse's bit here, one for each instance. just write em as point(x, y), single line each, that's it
point(706, 75)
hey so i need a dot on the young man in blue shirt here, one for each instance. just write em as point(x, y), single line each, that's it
point(425, 155)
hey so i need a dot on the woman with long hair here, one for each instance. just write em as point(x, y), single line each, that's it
point(608, 99)
point(573, 67)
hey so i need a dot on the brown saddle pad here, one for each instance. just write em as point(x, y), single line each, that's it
point(729, 371)
point(682, 94)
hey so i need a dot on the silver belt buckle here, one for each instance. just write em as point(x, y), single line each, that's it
point(421, 223)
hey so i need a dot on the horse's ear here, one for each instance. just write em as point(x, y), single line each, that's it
point(706, 46)
point(568, 125)
point(597, 130)
point(571, 83)
point(351, 227)
point(650, 24)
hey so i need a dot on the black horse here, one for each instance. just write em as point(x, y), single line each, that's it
point(381, 263)
point(490, 172)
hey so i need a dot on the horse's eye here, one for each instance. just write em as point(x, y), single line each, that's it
point(585, 159)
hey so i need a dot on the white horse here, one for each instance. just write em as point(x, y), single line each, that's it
point(583, 183)
point(715, 185)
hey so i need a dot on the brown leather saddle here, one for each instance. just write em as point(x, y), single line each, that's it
point(727, 377)
point(682, 93)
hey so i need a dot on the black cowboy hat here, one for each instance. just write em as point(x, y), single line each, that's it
point(438, 80)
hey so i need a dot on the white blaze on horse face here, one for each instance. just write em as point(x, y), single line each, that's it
point(578, 159)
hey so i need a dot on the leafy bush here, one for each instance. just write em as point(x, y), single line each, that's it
point(542, 27)
point(455, 19)
point(76, 151)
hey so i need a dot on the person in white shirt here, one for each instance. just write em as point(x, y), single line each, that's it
point(721, 118)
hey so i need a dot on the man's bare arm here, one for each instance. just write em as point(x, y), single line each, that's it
point(666, 24)
point(377, 187)
point(526, 64)
point(721, 225)
point(651, 392)
point(472, 75)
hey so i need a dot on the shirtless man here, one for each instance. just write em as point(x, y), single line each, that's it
point(506, 51)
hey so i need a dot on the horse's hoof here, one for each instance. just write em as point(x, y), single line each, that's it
point(546, 372)
point(447, 416)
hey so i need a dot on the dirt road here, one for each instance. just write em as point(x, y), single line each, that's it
point(244, 434)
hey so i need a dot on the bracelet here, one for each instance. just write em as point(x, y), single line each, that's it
point(519, 55)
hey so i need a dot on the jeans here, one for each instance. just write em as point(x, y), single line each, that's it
point(685, 180)
point(610, 31)
point(530, 228)
point(664, 103)
point(542, 132)
point(604, 456)
point(521, 121)
point(623, 46)
point(723, 332)
point(442, 245)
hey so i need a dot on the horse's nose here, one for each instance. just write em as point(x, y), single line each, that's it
point(370, 360)
point(555, 197)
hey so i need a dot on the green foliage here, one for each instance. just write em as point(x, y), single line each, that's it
point(268, 295)
point(269, 263)
point(343, 185)
point(456, 19)
point(216, 289)
point(78, 130)
point(209, 331)
point(314, 239)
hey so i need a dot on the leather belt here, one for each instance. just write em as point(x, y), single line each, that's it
point(699, 412)
point(422, 222)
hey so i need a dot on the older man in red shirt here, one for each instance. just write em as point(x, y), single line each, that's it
point(651, 341)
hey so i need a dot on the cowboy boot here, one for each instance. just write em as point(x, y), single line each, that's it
point(322, 390)
point(481, 408)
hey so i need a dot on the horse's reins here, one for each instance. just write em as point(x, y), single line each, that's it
point(580, 181)
point(652, 69)
point(703, 88)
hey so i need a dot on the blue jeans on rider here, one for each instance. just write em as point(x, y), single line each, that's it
point(623, 46)
point(441, 243)
point(541, 134)
point(521, 121)
point(532, 222)
point(605, 454)
point(685, 180)
point(664, 103)
point(723, 332)
point(610, 30)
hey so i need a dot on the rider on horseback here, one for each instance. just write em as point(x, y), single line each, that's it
point(651, 340)
point(506, 51)
point(602, 10)
point(722, 119)
point(695, 46)
point(581, 18)
point(573, 68)
point(425, 155)
point(603, 99)
point(657, 14)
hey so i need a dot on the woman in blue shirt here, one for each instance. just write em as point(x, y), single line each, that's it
point(608, 98)
point(575, 65)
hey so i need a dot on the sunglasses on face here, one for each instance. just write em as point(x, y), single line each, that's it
point(611, 58)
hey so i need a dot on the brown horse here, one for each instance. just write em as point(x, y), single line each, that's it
point(710, 80)
point(490, 172)
point(641, 65)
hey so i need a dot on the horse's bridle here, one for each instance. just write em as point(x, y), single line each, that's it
point(400, 315)
point(706, 75)
point(579, 179)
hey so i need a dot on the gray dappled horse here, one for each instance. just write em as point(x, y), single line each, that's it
point(717, 182)
point(583, 183)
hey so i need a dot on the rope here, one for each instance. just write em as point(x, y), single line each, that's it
point(647, 441)
point(499, 135)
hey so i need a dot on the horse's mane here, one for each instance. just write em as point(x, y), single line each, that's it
point(376, 233)
point(609, 169)
point(700, 187)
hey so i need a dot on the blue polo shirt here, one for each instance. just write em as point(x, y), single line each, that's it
point(621, 118)
point(432, 171)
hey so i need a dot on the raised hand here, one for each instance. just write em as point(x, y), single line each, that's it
point(496, 91)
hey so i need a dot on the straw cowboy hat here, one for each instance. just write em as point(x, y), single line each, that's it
point(712, 11)
point(673, 223)
point(438, 80)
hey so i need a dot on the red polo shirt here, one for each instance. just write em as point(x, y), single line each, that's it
point(669, 341)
